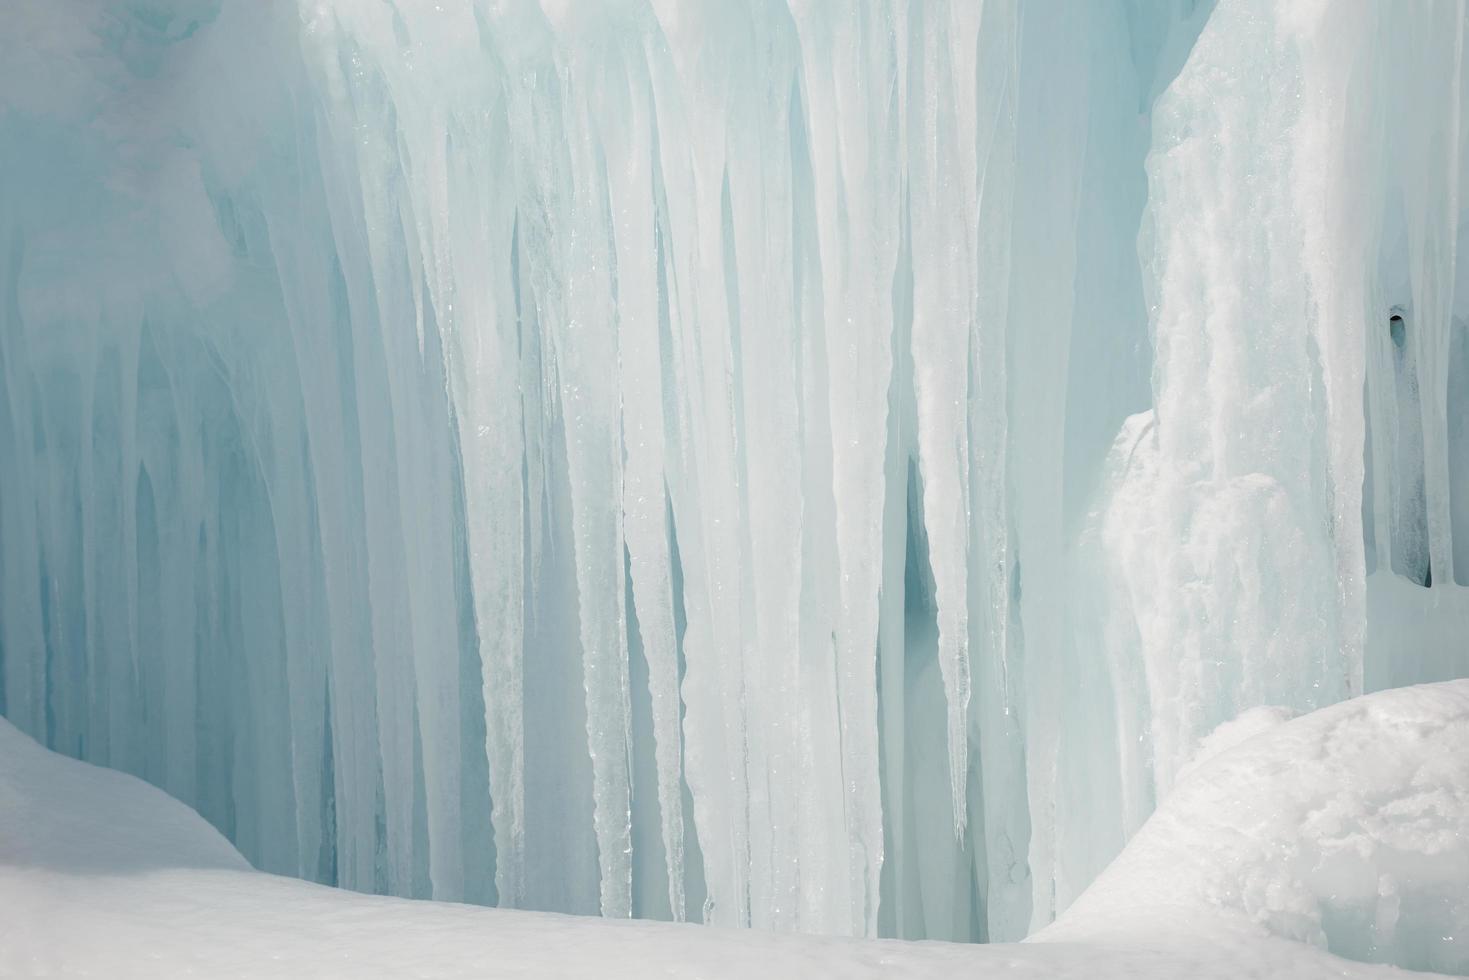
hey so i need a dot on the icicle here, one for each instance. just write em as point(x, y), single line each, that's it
point(483, 366)
point(758, 175)
point(625, 104)
point(578, 295)
point(944, 215)
point(849, 70)
point(691, 97)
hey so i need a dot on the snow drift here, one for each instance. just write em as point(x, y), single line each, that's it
point(1342, 829)
point(1346, 829)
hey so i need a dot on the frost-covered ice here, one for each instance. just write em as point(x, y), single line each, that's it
point(808, 464)
point(1337, 829)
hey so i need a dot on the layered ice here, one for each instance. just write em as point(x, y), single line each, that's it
point(800, 464)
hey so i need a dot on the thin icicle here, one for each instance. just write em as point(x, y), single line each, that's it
point(628, 141)
point(944, 215)
point(850, 66)
point(578, 280)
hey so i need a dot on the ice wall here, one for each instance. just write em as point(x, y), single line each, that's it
point(720, 461)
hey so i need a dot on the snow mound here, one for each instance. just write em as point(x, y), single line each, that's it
point(64, 816)
point(1247, 725)
point(1347, 829)
point(1344, 828)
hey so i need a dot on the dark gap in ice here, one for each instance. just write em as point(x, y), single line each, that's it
point(696, 891)
point(326, 859)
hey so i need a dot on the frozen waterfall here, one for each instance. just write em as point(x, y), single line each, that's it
point(806, 464)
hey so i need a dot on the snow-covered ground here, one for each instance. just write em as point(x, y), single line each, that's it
point(1349, 826)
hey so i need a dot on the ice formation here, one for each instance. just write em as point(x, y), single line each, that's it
point(737, 462)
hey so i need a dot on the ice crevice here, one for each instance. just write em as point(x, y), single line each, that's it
point(793, 464)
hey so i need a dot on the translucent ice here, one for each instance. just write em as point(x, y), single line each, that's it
point(816, 465)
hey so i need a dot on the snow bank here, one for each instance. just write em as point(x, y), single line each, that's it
point(1344, 823)
point(1347, 829)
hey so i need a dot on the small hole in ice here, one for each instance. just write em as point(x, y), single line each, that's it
point(1397, 331)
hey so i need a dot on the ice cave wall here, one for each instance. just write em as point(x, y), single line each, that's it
point(728, 461)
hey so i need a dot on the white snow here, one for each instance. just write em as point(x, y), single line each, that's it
point(1342, 827)
point(1345, 828)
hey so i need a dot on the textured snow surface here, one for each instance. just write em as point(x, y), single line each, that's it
point(1351, 817)
point(820, 465)
point(1347, 828)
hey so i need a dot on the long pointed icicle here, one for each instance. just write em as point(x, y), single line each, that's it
point(483, 367)
point(849, 69)
point(627, 103)
point(943, 210)
point(583, 348)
